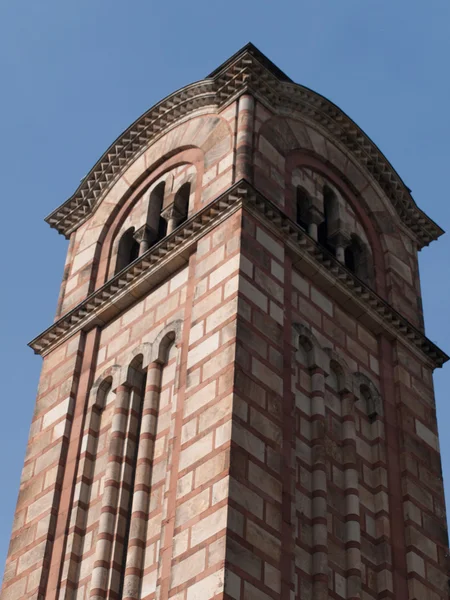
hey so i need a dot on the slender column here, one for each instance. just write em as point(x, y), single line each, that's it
point(124, 505)
point(315, 218)
point(319, 487)
point(172, 216)
point(341, 240)
point(141, 496)
point(171, 225)
point(142, 236)
point(312, 230)
point(352, 503)
point(244, 139)
point(106, 528)
point(340, 254)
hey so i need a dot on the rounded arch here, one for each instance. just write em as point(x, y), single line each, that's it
point(170, 334)
point(135, 369)
point(304, 339)
point(112, 375)
point(331, 214)
point(295, 133)
point(339, 365)
point(134, 362)
point(304, 158)
point(127, 250)
point(367, 391)
point(216, 91)
point(303, 204)
point(181, 201)
point(357, 258)
point(116, 216)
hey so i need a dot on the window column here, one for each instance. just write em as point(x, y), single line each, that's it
point(352, 501)
point(171, 215)
point(106, 528)
point(143, 238)
point(319, 486)
point(142, 485)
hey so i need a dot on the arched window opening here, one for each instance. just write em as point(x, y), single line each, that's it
point(162, 230)
point(329, 213)
point(128, 250)
point(369, 401)
point(157, 225)
point(181, 203)
point(333, 378)
point(138, 381)
point(356, 259)
point(303, 204)
point(153, 436)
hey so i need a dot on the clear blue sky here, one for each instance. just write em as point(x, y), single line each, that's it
point(75, 74)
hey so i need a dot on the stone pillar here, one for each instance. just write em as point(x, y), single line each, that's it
point(341, 241)
point(142, 488)
point(319, 487)
point(143, 237)
point(244, 139)
point(352, 503)
point(106, 528)
point(172, 216)
point(315, 217)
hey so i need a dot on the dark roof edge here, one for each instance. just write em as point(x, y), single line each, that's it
point(260, 56)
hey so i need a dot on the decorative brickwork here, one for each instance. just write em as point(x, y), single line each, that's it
point(236, 397)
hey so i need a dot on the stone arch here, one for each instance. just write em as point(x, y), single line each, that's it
point(139, 354)
point(154, 202)
point(340, 366)
point(112, 374)
point(168, 335)
point(367, 391)
point(127, 249)
point(295, 133)
point(201, 141)
point(368, 223)
point(303, 338)
point(182, 200)
point(358, 258)
point(105, 383)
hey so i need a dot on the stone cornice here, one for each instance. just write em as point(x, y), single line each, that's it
point(146, 272)
point(248, 71)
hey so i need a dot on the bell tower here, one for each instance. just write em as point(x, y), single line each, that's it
point(236, 399)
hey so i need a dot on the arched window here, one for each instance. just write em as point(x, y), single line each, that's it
point(181, 202)
point(156, 224)
point(369, 395)
point(356, 257)
point(303, 204)
point(137, 375)
point(128, 250)
point(330, 214)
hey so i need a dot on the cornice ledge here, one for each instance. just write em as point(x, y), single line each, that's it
point(249, 72)
point(359, 299)
point(173, 252)
point(125, 150)
point(144, 274)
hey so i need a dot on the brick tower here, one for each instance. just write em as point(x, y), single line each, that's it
point(236, 399)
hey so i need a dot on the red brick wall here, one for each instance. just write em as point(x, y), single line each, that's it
point(237, 400)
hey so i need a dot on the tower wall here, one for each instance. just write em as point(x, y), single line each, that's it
point(236, 411)
point(366, 530)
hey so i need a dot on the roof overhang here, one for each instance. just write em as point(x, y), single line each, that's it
point(248, 71)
